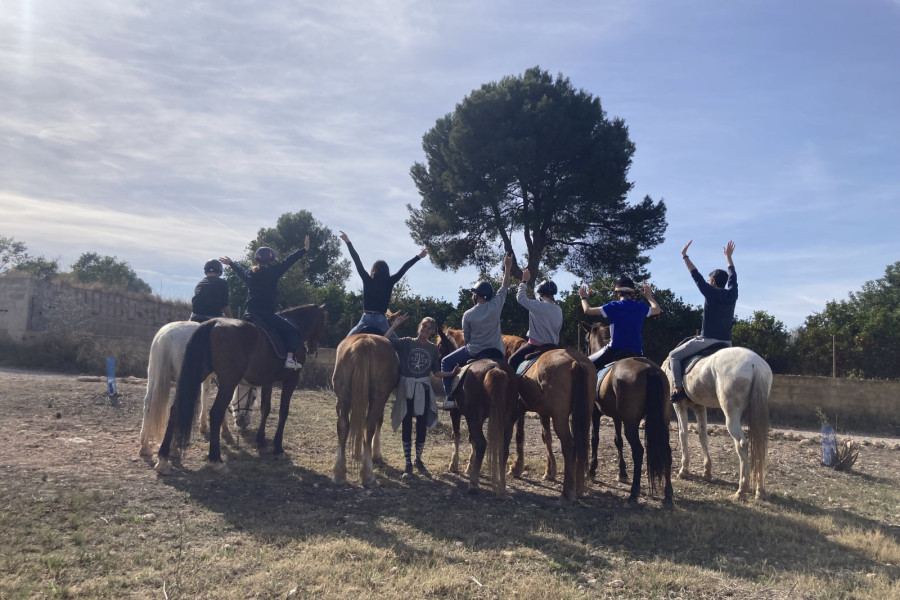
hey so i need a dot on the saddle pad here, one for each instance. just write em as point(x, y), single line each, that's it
point(691, 361)
point(525, 364)
point(458, 378)
point(603, 373)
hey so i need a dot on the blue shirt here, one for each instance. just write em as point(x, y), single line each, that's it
point(626, 317)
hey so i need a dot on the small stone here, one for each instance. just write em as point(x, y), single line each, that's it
point(616, 583)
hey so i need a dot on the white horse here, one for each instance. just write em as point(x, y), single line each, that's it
point(736, 380)
point(166, 356)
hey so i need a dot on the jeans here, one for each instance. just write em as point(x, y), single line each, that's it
point(375, 320)
point(686, 349)
point(457, 357)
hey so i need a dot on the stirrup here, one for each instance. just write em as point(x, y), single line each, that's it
point(678, 396)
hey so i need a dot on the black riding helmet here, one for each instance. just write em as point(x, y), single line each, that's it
point(624, 284)
point(213, 266)
point(484, 289)
point(265, 256)
point(546, 288)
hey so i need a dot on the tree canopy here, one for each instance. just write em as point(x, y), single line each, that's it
point(12, 252)
point(92, 267)
point(532, 155)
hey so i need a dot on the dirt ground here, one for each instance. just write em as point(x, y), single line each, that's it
point(66, 434)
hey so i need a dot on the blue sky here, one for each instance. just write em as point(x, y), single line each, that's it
point(165, 133)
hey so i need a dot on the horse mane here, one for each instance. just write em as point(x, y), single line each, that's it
point(601, 331)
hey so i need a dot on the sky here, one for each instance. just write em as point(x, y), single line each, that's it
point(166, 133)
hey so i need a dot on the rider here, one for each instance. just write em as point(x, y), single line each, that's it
point(419, 358)
point(211, 294)
point(262, 290)
point(377, 288)
point(626, 316)
point(481, 328)
point(545, 318)
point(720, 296)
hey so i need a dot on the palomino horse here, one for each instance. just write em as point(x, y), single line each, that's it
point(560, 385)
point(737, 380)
point(488, 392)
point(237, 351)
point(635, 389)
point(164, 367)
point(366, 371)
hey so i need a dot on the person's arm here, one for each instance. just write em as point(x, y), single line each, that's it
point(398, 321)
point(687, 261)
point(443, 374)
point(729, 250)
point(359, 267)
point(226, 310)
point(399, 274)
point(648, 294)
point(731, 284)
point(584, 292)
point(293, 257)
point(241, 271)
point(507, 261)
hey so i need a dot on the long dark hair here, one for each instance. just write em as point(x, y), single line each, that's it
point(380, 270)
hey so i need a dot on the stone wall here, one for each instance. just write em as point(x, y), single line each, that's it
point(29, 307)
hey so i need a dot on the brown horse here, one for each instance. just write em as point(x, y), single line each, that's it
point(488, 392)
point(366, 371)
point(560, 385)
point(237, 351)
point(635, 389)
point(511, 343)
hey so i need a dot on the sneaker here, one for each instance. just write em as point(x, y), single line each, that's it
point(292, 364)
point(448, 405)
point(420, 467)
point(678, 396)
point(408, 472)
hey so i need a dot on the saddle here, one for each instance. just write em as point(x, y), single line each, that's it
point(532, 357)
point(692, 360)
point(603, 373)
point(490, 353)
point(274, 338)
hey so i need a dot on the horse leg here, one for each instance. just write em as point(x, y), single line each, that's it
point(265, 407)
point(620, 446)
point(567, 443)
point(518, 466)
point(682, 415)
point(367, 469)
point(205, 406)
point(216, 418)
point(343, 430)
point(162, 466)
point(741, 446)
point(156, 401)
point(377, 456)
point(479, 445)
point(547, 438)
point(704, 441)
point(595, 439)
point(455, 417)
point(287, 389)
point(637, 456)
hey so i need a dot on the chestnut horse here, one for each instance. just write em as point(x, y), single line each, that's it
point(560, 385)
point(163, 369)
point(366, 371)
point(635, 389)
point(738, 381)
point(488, 392)
point(237, 351)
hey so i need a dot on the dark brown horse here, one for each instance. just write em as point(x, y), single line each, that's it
point(237, 351)
point(559, 387)
point(635, 389)
point(366, 371)
point(488, 392)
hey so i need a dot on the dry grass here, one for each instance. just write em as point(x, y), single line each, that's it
point(83, 517)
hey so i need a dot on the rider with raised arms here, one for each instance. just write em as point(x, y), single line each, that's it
point(720, 296)
point(545, 318)
point(262, 293)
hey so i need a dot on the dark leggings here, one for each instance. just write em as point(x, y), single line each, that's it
point(421, 428)
point(287, 331)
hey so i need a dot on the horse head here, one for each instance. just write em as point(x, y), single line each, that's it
point(445, 344)
point(310, 319)
point(596, 337)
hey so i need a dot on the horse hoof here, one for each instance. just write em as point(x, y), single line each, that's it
point(668, 504)
point(761, 495)
point(623, 479)
point(163, 467)
point(632, 503)
point(219, 467)
point(371, 484)
point(339, 480)
point(471, 490)
point(682, 474)
point(739, 497)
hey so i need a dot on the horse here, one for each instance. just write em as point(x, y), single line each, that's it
point(511, 343)
point(738, 381)
point(366, 371)
point(634, 389)
point(237, 351)
point(163, 368)
point(488, 392)
point(558, 386)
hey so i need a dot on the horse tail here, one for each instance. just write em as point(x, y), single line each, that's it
point(496, 383)
point(656, 428)
point(195, 369)
point(361, 358)
point(581, 421)
point(156, 401)
point(758, 420)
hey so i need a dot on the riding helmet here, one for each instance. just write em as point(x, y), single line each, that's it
point(265, 256)
point(546, 288)
point(624, 284)
point(484, 289)
point(212, 266)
